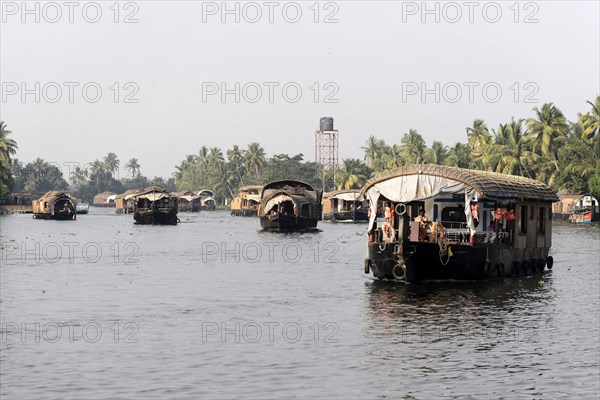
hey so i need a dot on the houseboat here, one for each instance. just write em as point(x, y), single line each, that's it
point(289, 205)
point(207, 199)
point(344, 206)
point(125, 201)
point(187, 201)
point(55, 205)
point(585, 211)
point(247, 201)
point(446, 223)
point(155, 206)
point(104, 199)
point(82, 207)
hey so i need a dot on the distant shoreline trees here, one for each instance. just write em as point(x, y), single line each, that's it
point(546, 147)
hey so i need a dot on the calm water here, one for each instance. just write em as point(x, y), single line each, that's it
point(215, 308)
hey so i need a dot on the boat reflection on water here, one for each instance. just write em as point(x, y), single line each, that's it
point(483, 313)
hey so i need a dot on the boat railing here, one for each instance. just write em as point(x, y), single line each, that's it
point(455, 235)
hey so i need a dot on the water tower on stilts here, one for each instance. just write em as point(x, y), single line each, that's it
point(326, 152)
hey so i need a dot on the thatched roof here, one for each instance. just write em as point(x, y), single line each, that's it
point(289, 183)
point(250, 187)
point(128, 193)
point(152, 188)
point(487, 184)
point(55, 194)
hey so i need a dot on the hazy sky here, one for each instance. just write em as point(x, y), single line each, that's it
point(364, 63)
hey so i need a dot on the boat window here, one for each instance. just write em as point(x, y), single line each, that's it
point(454, 214)
point(541, 221)
point(523, 219)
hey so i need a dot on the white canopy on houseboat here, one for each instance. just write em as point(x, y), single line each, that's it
point(348, 196)
point(407, 188)
point(282, 197)
point(189, 197)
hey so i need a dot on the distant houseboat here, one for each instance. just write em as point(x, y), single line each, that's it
point(187, 201)
point(207, 199)
point(82, 207)
point(155, 206)
point(104, 199)
point(247, 201)
point(585, 211)
point(289, 205)
point(438, 224)
point(344, 206)
point(55, 205)
point(124, 202)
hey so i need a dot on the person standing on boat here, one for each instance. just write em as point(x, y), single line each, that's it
point(422, 220)
point(475, 216)
point(475, 213)
point(510, 224)
point(389, 214)
point(498, 217)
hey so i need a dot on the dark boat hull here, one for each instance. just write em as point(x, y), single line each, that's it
point(188, 208)
point(155, 218)
point(355, 216)
point(245, 213)
point(422, 262)
point(57, 217)
point(287, 223)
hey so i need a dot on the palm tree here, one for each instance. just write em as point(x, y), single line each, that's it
point(391, 158)
point(581, 159)
point(373, 150)
point(511, 153)
point(111, 163)
point(482, 156)
point(548, 130)
point(202, 160)
point(437, 154)
point(133, 166)
point(79, 176)
point(254, 158)
point(458, 156)
point(351, 174)
point(591, 120)
point(413, 147)
point(236, 156)
point(478, 135)
point(184, 166)
point(215, 157)
point(97, 171)
point(8, 147)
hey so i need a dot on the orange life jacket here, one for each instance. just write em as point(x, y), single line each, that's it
point(510, 215)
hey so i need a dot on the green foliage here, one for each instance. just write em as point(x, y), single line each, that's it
point(209, 170)
point(547, 147)
point(594, 184)
point(8, 148)
point(37, 176)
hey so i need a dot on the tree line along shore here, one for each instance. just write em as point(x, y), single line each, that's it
point(546, 146)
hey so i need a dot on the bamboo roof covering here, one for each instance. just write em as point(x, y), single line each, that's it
point(487, 184)
point(250, 187)
point(55, 194)
point(152, 188)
